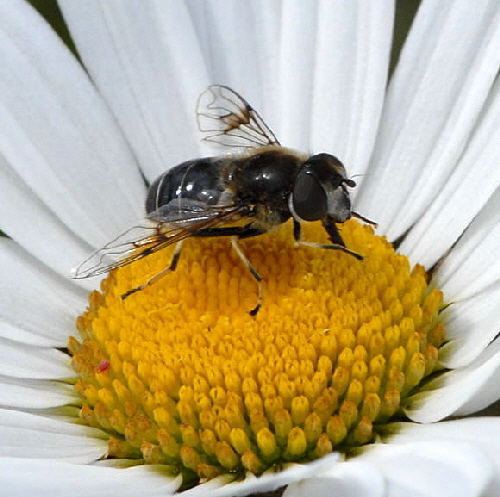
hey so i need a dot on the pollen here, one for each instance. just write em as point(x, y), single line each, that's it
point(181, 374)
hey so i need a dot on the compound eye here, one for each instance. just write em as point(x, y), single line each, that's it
point(309, 197)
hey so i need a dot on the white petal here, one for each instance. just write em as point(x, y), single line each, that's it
point(145, 59)
point(482, 433)
point(473, 265)
point(459, 460)
point(26, 361)
point(445, 71)
point(353, 43)
point(239, 43)
point(17, 419)
point(469, 276)
point(37, 306)
point(339, 80)
point(471, 324)
point(432, 469)
point(35, 394)
point(250, 63)
point(351, 478)
point(466, 192)
point(58, 136)
point(461, 391)
point(54, 478)
point(48, 239)
point(265, 483)
point(295, 93)
point(29, 436)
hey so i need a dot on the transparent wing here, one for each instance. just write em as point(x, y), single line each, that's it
point(133, 244)
point(140, 241)
point(184, 211)
point(225, 117)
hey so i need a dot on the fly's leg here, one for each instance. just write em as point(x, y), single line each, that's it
point(367, 221)
point(253, 271)
point(334, 235)
point(297, 235)
point(337, 242)
point(331, 247)
point(171, 267)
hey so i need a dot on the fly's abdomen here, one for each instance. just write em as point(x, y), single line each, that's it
point(195, 180)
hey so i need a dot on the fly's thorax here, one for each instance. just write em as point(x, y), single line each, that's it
point(265, 178)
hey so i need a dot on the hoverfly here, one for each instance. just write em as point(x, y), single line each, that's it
point(238, 196)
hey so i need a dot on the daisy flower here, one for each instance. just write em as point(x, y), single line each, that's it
point(355, 376)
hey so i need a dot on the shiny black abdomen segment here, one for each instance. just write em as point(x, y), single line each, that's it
point(197, 179)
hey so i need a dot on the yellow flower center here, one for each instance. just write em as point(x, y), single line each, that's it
point(181, 374)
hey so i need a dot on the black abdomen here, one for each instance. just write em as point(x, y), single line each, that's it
point(197, 180)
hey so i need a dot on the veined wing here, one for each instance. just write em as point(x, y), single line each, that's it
point(225, 117)
point(140, 241)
